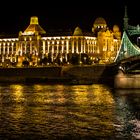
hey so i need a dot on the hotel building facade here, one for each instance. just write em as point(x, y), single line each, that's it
point(37, 48)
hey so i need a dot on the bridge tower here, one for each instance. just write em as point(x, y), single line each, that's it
point(125, 19)
point(127, 48)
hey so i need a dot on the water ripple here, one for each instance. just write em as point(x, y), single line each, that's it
point(67, 112)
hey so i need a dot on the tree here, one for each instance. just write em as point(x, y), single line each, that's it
point(44, 61)
point(25, 63)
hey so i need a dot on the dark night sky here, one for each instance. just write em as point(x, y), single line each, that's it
point(65, 15)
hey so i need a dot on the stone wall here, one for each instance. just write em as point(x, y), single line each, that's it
point(94, 73)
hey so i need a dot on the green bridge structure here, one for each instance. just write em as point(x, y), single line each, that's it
point(130, 44)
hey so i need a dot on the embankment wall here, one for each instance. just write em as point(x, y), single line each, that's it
point(95, 73)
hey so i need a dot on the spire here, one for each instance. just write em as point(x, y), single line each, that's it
point(125, 19)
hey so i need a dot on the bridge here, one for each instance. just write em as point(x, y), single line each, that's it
point(129, 48)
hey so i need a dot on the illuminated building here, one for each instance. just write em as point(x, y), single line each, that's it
point(108, 41)
point(33, 45)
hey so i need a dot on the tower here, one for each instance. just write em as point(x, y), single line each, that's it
point(125, 19)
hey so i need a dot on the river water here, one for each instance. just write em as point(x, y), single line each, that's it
point(39, 111)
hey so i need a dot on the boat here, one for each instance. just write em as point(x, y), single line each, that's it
point(128, 76)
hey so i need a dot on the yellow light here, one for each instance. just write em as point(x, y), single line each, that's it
point(34, 20)
point(18, 92)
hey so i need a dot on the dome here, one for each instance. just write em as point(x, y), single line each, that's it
point(77, 32)
point(116, 28)
point(100, 21)
point(34, 27)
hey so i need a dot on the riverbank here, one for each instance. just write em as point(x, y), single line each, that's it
point(73, 74)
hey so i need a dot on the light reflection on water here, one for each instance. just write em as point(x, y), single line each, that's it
point(128, 112)
point(72, 112)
